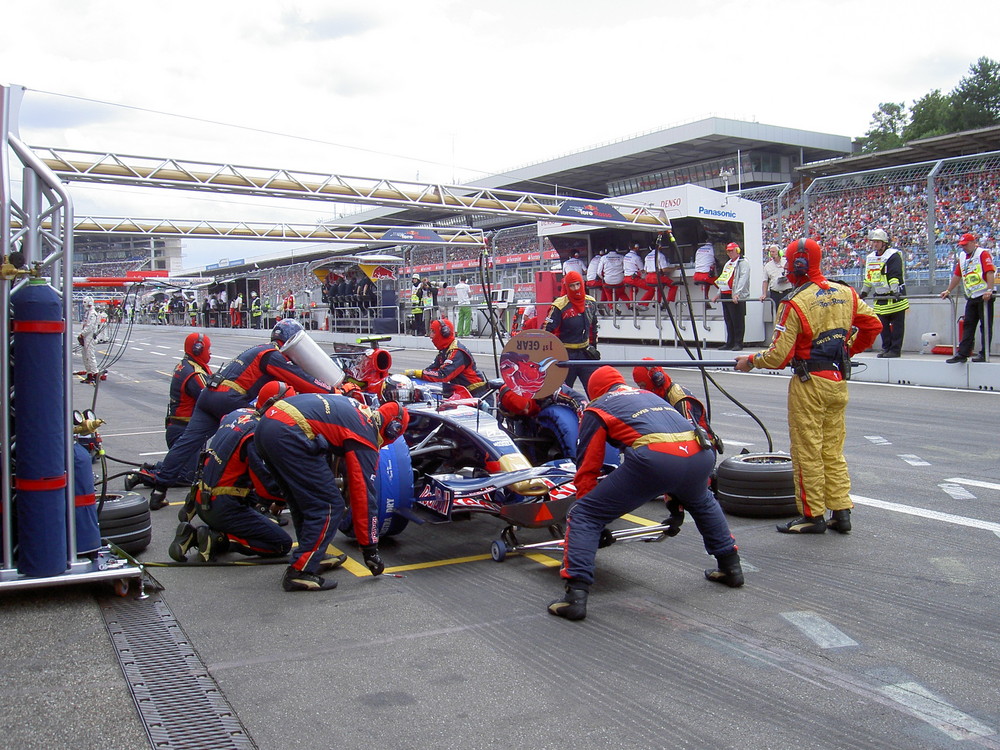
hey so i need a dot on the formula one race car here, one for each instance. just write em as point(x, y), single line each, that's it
point(456, 460)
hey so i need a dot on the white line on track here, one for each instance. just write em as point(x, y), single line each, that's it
point(913, 460)
point(936, 711)
point(956, 491)
point(154, 453)
point(129, 434)
point(924, 513)
point(974, 483)
point(159, 354)
point(877, 440)
point(819, 631)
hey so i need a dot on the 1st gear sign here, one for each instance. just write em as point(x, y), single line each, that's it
point(527, 364)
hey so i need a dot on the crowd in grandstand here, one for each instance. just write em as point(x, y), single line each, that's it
point(840, 221)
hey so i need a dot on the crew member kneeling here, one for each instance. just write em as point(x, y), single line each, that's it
point(234, 482)
point(454, 363)
point(297, 437)
point(663, 456)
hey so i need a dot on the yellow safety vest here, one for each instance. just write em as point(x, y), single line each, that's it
point(973, 278)
point(876, 278)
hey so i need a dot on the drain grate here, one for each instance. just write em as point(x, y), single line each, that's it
point(179, 703)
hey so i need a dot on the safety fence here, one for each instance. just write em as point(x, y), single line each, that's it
point(924, 207)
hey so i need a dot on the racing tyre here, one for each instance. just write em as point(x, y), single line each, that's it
point(126, 522)
point(756, 485)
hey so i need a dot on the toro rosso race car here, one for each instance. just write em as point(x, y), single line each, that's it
point(456, 460)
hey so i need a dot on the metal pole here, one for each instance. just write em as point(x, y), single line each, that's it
point(930, 227)
point(6, 470)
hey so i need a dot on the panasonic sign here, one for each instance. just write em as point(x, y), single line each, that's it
point(702, 211)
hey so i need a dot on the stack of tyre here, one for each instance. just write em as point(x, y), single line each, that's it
point(756, 485)
point(125, 521)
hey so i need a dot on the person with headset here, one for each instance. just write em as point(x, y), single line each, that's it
point(663, 456)
point(819, 326)
point(235, 386)
point(234, 483)
point(454, 363)
point(297, 438)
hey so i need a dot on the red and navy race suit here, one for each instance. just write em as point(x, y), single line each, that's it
point(455, 364)
point(577, 331)
point(186, 384)
point(688, 406)
point(233, 387)
point(662, 456)
point(296, 437)
point(234, 478)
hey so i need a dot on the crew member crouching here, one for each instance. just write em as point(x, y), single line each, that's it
point(234, 481)
point(663, 456)
point(297, 437)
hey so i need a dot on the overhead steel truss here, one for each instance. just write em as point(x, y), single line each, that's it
point(248, 230)
point(144, 171)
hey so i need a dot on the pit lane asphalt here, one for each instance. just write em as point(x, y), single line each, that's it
point(886, 637)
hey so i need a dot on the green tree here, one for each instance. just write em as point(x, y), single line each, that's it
point(976, 99)
point(886, 129)
point(929, 116)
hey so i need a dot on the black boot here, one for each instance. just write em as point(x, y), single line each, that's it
point(143, 476)
point(803, 525)
point(573, 606)
point(729, 572)
point(158, 498)
point(840, 521)
point(295, 580)
point(211, 543)
point(190, 508)
point(184, 540)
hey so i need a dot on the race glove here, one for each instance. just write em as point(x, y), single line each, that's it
point(413, 373)
point(372, 559)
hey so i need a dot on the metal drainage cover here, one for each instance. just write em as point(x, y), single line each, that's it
point(179, 703)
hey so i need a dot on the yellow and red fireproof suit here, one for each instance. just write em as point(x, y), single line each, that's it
point(811, 328)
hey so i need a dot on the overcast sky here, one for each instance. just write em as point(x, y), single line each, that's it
point(447, 91)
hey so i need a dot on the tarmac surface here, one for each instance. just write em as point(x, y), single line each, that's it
point(883, 638)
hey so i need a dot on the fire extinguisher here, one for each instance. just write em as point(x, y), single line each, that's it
point(961, 332)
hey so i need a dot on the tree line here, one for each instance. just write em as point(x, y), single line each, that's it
point(973, 103)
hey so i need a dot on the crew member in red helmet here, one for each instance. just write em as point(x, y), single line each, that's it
point(186, 384)
point(818, 326)
point(663, 456)
point(573, 319)
point(454, 363)
point(297, 437)
point(235, 484)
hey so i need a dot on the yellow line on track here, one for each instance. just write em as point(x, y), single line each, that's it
point(640, 521)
